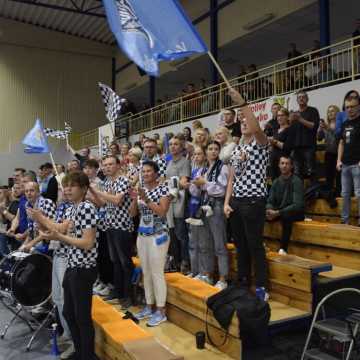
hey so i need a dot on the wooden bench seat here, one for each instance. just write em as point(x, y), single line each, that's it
point(115, 336)
point(319, 233)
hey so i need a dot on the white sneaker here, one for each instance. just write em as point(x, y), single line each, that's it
point(68, 352)
point(105, 291)
point(193, 221)
point(206, 280)
point(221, 285)
point(282, 252)
point(98, 286)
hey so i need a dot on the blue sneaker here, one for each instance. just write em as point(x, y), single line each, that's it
point(145, 313)
point(156, 319)
point(262, 294)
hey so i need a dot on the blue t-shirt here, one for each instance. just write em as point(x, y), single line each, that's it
point(23, 220)
point(341, 117)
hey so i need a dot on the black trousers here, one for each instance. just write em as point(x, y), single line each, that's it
point(304, 162)
point(247, 226)
point(78, 284)
point(105, 266)
point(120, 248)
point(287, 224)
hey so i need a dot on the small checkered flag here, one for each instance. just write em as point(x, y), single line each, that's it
point(112, 102)
point(58, 134)
point(104, 146)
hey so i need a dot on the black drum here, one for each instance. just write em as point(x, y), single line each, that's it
point(27, 278)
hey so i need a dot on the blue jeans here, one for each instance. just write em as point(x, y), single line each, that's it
point(350, 178)
point(4, 245)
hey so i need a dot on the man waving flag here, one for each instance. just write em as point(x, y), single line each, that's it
point(153, 31)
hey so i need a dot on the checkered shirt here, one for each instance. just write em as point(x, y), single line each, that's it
point(161, 163)
point(47, 207)
point(83, 216)
point(249, 162)
point(118, 217)
point(154, 195)
point(61, 251)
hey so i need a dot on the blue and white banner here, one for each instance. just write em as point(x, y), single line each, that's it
point(153, 31)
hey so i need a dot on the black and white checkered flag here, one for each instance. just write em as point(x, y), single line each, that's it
point(58, 134)
point(112, 102)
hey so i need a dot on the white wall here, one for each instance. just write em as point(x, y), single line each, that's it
point(49, 75)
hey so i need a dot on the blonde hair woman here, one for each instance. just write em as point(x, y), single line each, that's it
point(331, 113)
point(223, 137)
point(134, 167)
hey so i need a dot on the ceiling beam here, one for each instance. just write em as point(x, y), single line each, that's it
point(74, 8)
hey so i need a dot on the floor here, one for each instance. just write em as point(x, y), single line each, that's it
point(13, 346)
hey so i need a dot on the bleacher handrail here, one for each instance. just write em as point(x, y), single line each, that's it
point(191, 106)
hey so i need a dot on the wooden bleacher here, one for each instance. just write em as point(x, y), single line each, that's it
point(121, 339)
point(320, 249)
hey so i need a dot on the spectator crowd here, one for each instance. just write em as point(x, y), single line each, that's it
point(177, 202)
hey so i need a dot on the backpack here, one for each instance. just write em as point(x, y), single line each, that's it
point(253, 314)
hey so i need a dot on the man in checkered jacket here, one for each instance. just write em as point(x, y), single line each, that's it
point(119, 226)
point(245, 198)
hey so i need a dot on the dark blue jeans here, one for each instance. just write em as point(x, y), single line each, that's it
point(4, 245)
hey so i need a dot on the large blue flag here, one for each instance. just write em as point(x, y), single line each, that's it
point(35, 140)
point(149, 31)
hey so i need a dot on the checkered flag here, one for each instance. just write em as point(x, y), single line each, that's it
point(58, 134)
point(112, 101)
point(104, 146)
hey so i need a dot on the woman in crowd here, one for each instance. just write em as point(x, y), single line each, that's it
point(201, 138)
point(152, 202)
point(187, 134)
point(197, 229)
point(327, 131)
point(134, 167)
point(214, 183)
point(280, 142)
point(223, 137)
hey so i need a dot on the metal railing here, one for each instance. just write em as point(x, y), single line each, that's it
point(327, 66)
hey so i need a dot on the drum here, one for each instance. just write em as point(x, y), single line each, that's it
point(27, 278)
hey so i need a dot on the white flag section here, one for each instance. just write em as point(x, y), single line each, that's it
point(105, 138)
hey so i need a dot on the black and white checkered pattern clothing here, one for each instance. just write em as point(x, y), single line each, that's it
point(83, 216)
point(118, 217)
point(249, 162)
point(112, 102)
point(61, 250)
point(161, 163)
point(47, 207)
point(133, 170)
point(154, 195)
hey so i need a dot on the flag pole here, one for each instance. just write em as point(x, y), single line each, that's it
point(227, 82)
point(55, 169)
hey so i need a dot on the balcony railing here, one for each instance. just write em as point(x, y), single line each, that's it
point(330, 65)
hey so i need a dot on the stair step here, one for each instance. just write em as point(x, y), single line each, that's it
point(179, 341)
point(335, 327)
point(339, 272)
point(317, 354)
